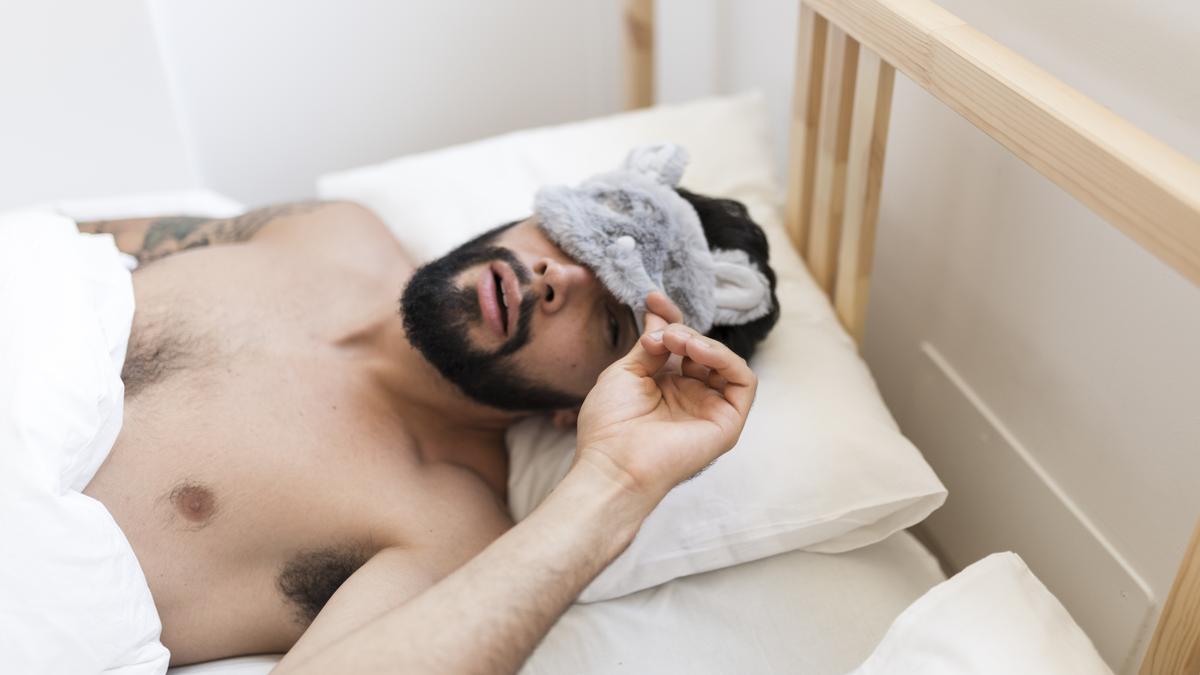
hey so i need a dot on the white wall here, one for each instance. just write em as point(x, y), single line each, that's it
point(277, 92)
point(1082, 346)
point(256, 99)
point(86, 110)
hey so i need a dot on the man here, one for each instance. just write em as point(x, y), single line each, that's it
point(302, 470)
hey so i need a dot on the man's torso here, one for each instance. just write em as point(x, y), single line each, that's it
point(259, 463)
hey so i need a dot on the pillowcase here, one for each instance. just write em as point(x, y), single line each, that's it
point(820, 466)
point(993, 618)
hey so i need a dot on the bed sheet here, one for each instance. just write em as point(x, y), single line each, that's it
point(797, 612)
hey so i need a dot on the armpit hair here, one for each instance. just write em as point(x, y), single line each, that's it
point(152, 355)
point(312, 576)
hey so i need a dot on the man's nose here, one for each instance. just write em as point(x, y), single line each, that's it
point(560, 281)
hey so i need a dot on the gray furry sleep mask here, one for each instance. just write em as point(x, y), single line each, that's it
point(637, 235)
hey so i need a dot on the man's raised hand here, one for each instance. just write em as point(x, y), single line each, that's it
point(650, 426)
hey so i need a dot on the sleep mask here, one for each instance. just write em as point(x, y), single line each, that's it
point(637, 235)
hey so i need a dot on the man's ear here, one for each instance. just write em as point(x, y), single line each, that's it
point(565, 419)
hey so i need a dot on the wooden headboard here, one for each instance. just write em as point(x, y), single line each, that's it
point(848, 52)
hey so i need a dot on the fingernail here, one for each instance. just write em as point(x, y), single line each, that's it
point(656, 336)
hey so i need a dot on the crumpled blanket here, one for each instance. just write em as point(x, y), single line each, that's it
point(73, 598)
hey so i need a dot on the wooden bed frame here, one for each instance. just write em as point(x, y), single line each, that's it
point(848, 52)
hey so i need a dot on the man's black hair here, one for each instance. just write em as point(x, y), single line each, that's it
point(727, 225)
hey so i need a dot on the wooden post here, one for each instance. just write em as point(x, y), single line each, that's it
point(639, 53)
point(1175, 647)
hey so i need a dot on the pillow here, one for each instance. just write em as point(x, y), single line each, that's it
point(820, 466)
point(436, 200)
point(993, 618)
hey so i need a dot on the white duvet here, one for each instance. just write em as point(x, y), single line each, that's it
point(74, 597)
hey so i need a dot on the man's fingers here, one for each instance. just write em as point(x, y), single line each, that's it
point(648, 354)
point(694, 370)
point(653, 322)
point(658, 303)
point(740, 381)
point(660, 312)
point(715, 381)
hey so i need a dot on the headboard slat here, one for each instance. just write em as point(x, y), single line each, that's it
point(833, 145)
point(864, 178)
point(806, 110)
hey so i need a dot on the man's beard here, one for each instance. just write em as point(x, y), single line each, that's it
point(438, 314)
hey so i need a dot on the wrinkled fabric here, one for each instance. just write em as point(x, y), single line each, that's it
point(75, 599)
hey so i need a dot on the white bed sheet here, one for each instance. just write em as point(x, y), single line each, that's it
point(798, 612)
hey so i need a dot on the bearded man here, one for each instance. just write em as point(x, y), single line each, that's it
point(305, 469)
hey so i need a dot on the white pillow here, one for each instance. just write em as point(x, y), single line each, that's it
point(821, 465)
point(993, 618)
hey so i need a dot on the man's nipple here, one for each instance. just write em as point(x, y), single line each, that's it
point(194, 502)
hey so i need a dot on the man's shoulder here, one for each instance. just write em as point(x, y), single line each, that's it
point(324, 221)
point(336, 231)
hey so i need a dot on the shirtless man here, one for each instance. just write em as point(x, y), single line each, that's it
point(296, 476)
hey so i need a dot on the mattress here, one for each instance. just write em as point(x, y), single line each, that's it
point(796, 612)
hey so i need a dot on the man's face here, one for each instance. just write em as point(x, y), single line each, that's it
point(515, 322)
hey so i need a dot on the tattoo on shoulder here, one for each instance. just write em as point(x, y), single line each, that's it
point(173, 234)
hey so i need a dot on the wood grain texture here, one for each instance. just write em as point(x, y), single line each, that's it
point(638, 50)
point(806, 110)
point(1141, 186)
point(1175, 647)
point(833, 144)
point(864, 179)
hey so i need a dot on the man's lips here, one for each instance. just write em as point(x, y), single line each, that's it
point(510, 288)
point(499, 298)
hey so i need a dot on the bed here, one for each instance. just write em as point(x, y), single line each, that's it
point(849, 52)
point(825, 612)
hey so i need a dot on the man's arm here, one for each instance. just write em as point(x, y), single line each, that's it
point(149, 239)
point(642, 431)
point(487, 616)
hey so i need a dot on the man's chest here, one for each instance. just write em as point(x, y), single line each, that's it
point(256, 470)
point(238, 429)
point(250, 498)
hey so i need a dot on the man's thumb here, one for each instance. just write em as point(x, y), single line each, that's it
point(649, 354)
